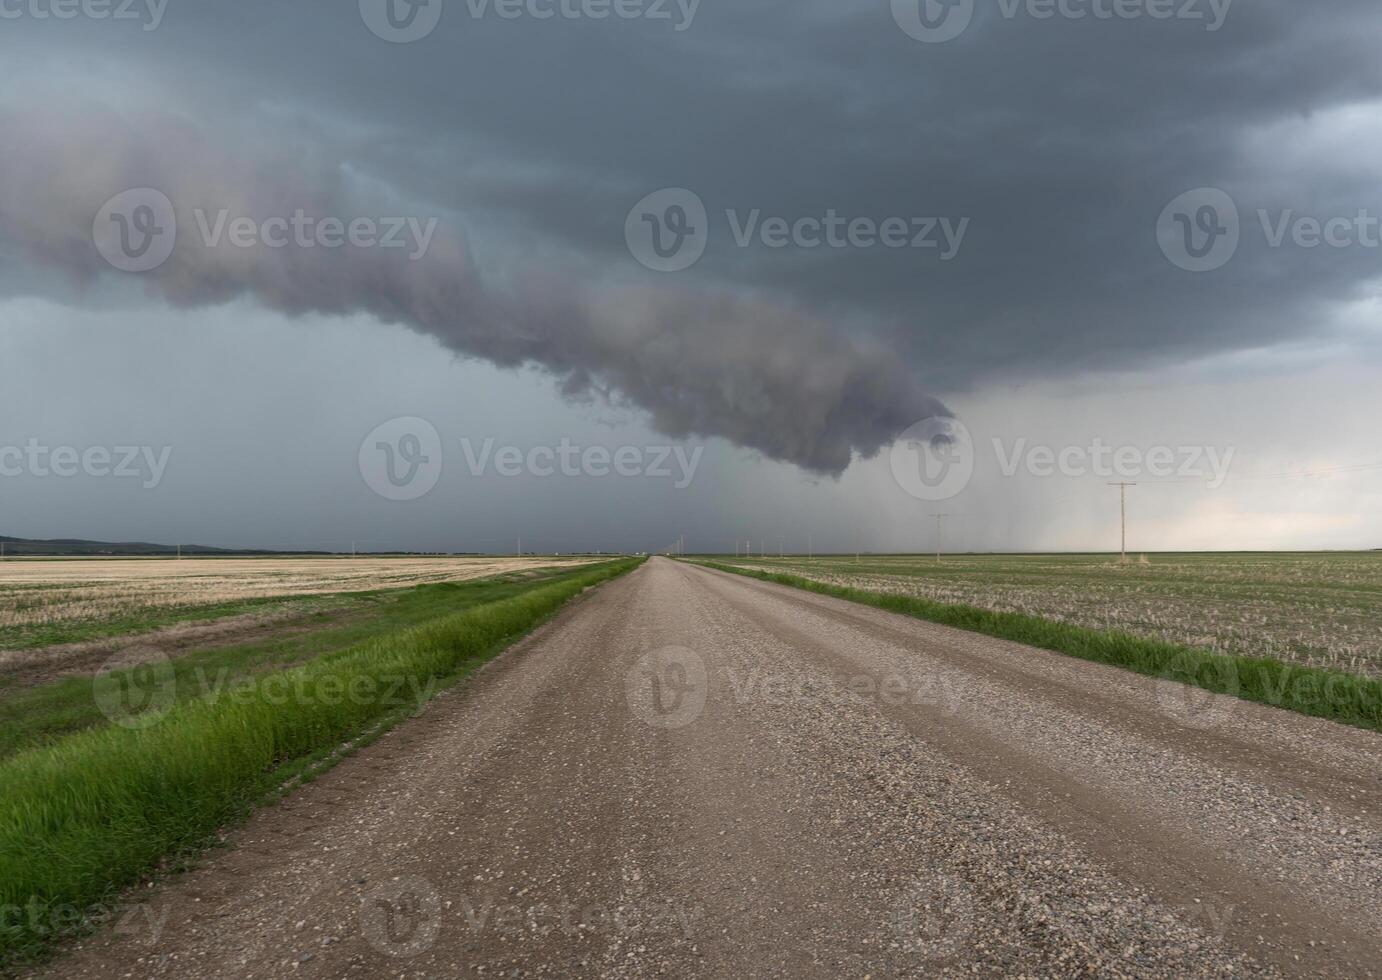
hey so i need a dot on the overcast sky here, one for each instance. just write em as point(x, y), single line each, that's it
point(442, 275)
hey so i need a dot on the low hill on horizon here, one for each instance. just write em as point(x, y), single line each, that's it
point(73, 547)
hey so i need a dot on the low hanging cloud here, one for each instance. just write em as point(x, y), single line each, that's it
point(253, 218)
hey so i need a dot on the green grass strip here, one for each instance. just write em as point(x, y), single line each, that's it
point(40, 715)
point(1314, 691)
point(93, 812)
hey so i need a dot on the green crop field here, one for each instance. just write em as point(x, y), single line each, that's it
point(1320, 609)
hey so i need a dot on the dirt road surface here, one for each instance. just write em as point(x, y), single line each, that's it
point(691, 774)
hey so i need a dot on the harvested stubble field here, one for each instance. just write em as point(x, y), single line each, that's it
point(45, 602)
point(1321, 610)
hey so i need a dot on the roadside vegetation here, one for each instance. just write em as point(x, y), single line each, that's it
point(1313, 609)
point(89, 813)
point(1321, 692)
point(36, 715)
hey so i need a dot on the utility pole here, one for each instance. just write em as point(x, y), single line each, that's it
point(1123, 518)
point(810, 549)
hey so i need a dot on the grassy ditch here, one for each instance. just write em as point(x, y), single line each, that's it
point(1313, 691)
point(94, 811)
point(38, 715)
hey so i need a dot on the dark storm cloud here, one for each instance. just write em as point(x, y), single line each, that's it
point(1059, 140)
point(697, 361)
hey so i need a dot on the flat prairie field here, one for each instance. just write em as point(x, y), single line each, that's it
point(45, 601)
point(1319, 609)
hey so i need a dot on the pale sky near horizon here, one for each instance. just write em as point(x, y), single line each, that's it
point(1088, 250)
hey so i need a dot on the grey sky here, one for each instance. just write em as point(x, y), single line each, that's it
point(1053, 144)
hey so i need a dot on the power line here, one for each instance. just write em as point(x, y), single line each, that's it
point(1315, 471)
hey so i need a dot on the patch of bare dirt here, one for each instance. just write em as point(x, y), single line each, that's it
point(32, 668)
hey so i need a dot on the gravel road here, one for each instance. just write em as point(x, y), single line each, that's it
point(692, 774)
